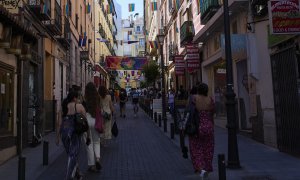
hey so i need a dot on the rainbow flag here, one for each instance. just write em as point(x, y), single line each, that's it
point(131, 7)
point(88, 8)
point(154, 6)
point(153, 44)
point(176, 4)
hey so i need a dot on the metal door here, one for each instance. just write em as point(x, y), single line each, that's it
point(286, 100)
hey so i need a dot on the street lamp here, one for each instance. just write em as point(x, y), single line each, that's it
point(161, 37)
point(233, 154)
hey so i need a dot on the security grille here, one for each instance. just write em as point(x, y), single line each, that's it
point(286, 100)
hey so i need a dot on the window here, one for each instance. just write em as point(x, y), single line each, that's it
point(6, 99)
point(234, 27)
point(138, 28)
point(142, 42)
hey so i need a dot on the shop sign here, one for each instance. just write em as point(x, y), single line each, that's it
point(238, 46)
point(179, 65)
point(192, 58)
point(284, 16)
point(84, 55)
point(11, 5)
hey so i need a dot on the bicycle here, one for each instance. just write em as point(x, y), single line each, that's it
point(36, 137)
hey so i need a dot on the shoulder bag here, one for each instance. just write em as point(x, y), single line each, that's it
point(80, 123)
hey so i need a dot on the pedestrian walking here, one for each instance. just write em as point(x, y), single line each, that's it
point(202, 144)
point(106, 111)
point(123, 99)
point(171, 97)
point(70, 139)
point(92, 100)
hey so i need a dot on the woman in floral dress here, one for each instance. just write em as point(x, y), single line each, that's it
point(202, 144)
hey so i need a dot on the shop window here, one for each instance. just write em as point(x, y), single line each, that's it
point(6, 100)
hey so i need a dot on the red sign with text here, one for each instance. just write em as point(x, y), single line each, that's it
point(179, 65)
point(284, 16)
point(192, 58)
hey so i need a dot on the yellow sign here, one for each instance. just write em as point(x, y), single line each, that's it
point(11, 5)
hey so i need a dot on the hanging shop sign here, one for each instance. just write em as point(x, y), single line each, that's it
point(284, 16)
point(192, 58)
point(84, 55)
point(179, 65)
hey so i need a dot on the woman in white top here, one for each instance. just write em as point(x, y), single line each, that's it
point(107, 111)
point(92, 100)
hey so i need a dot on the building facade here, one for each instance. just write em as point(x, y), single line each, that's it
point(43, 53)
point(262, 64)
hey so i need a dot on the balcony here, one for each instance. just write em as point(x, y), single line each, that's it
point(173, 50)
point(208, 9)
point(55, 25)
point(187, 32)
point(65, 39)
point(41, 8)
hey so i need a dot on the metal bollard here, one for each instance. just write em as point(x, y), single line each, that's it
point(172, 128)
point(155, 117)
point(45, 153)
point(152, 114)
point(165, 125)
point(221, 166)
point(21, 168)
point(159, 120)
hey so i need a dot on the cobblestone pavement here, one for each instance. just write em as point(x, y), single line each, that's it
point(141, 151)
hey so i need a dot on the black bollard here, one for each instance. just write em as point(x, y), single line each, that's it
point(221, 166)
point(159, 120)
point(45, 153)
point(155, 117)
point(21, 168)
point(165, 125)
point(172, 128)
point(152, 114)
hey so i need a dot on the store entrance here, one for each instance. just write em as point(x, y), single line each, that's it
point(6, 99)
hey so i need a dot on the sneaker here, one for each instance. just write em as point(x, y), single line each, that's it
point(203, 174)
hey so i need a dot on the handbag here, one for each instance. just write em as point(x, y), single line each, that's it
point(99, 121)
point(192, 123)
point(80, 123)
point(106, 116)
point(115, 130)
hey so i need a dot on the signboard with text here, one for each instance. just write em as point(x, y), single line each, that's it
point(179, 65)
point(284, 16)
point(192, 58)
point(11, 5)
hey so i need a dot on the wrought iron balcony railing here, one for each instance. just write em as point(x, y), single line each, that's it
point(187, 32)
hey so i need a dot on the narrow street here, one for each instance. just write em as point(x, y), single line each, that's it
point(141, 151)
